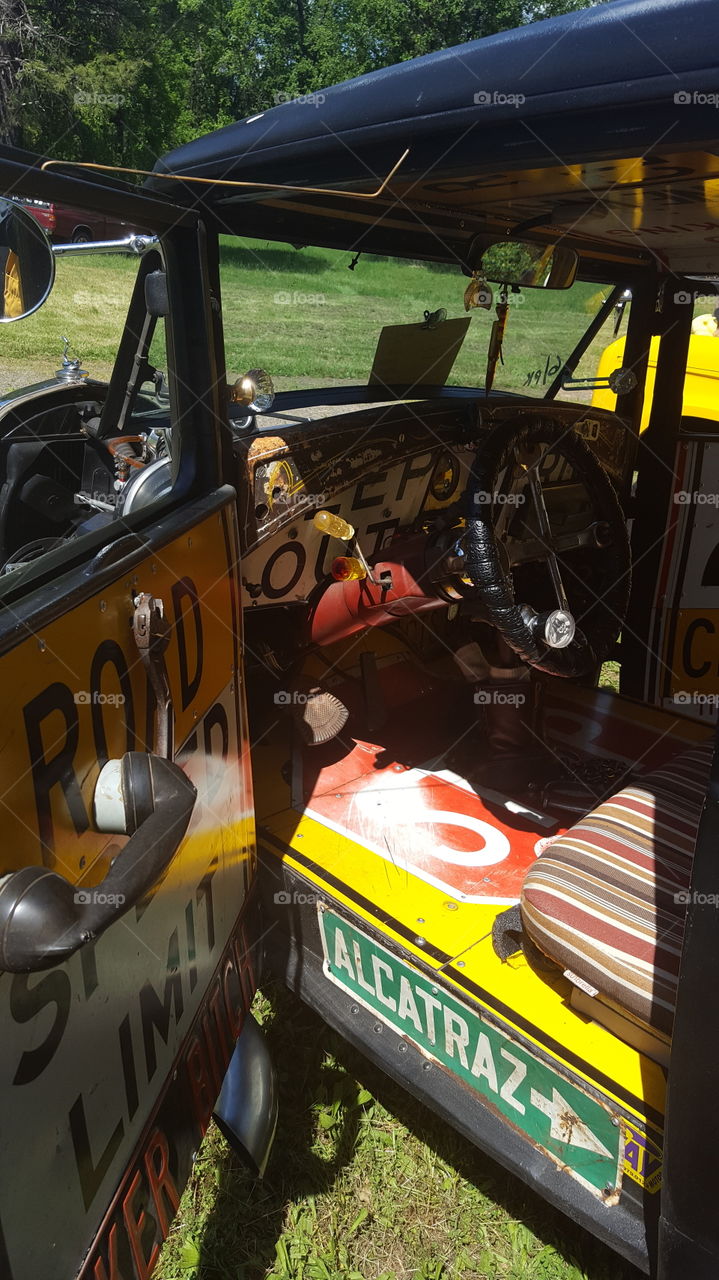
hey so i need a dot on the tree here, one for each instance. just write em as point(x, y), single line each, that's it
point(125, 80)
point(18, 35)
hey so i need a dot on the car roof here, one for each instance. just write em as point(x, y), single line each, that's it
point(601, 126)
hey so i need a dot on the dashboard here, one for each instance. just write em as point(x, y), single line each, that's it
point(396, 472)
point(388, 472)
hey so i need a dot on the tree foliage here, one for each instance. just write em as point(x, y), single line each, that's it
point(124, 80)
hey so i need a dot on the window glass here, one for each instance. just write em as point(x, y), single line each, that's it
point(75, 456)
point(308, 320)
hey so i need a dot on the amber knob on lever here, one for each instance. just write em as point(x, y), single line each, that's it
point(335, 526)
point(348, 569)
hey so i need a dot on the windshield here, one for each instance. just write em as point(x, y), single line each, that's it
point(544, 327)
point(302, 315)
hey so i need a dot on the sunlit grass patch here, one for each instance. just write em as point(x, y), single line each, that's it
point(364, 1184)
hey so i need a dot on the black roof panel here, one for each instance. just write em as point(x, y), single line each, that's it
point(631, 80)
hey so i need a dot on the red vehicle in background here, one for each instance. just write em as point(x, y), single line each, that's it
point(65, 225)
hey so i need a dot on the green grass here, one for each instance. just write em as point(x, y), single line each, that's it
point(88, 305)
point(302, 315)
point(364, 1184)
point(609, 676)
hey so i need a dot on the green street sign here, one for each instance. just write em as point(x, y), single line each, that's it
point(580, 1134)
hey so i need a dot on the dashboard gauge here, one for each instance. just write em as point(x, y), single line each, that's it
point(444, 477)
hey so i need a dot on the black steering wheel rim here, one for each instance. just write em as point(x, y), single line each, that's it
point(492, 581)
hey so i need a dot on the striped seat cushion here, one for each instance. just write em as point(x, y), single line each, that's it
point(607, 899)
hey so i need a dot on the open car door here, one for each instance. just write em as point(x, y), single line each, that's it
point(127, 838)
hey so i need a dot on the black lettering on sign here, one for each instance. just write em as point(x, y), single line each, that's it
point(91, 1175)
point(26, 1002)
point(88, 964)
point(362, 500)
point(383, 529)
point(191, 944)
point(216, 719)
point(710, 576)
point(204, 890)
point(155, 1012)
point(109, 653)
point(56, 768)
point(288, 575)
point(185, 590)
point(666, 170)
point(414, 469)
point(129, 1073)
point(687, 659)
point(188, 749)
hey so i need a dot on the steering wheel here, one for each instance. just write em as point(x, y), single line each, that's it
point(549, 639)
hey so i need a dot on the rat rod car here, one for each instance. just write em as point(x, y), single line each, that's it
point(312, 680)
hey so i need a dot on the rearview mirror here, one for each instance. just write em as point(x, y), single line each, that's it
point(27, 264)
point(533, 266)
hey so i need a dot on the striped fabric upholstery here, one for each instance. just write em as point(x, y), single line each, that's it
point(605, 899)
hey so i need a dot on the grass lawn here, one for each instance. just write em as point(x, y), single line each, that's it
point(303, 316)
point(364, 1184)
point(88, 305)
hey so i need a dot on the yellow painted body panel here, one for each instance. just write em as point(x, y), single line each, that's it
point(466, 934)
point(86, 647)
point(701, 384)
point(538, 1008)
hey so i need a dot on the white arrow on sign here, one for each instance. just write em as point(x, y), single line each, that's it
point(565, 1124)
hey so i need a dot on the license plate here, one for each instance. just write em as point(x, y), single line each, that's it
point(581, 1134)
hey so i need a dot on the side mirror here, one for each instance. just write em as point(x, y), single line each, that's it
point(532, 266)
point(27, 263)
point(256, 391)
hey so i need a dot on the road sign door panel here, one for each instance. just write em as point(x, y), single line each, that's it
point(91, 1048)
